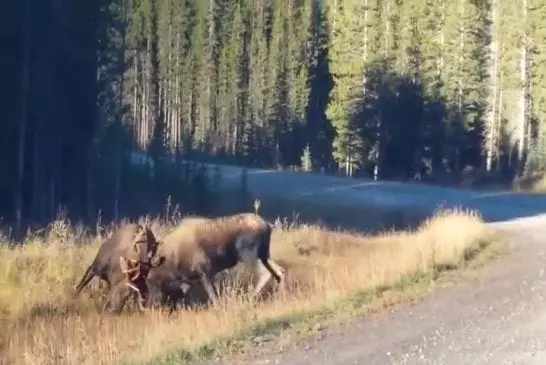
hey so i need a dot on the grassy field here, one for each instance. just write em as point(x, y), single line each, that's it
point(41, 325)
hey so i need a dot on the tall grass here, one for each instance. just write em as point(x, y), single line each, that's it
point(42, 325)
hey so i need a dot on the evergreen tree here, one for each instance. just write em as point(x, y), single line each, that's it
point(386, 89)
point(537, 92)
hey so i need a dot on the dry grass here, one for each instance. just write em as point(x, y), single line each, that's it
point(40, 325)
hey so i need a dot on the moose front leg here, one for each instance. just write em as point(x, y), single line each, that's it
point(117, 298)
point(208, 284)
point(140, 293)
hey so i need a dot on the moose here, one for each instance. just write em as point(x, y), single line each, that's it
point(199, 248)
point(123, 261)
point(166, 287)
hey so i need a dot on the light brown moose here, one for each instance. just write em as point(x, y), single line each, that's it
point(198, 248)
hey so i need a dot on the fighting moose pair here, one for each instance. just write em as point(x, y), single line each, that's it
point(134, 262)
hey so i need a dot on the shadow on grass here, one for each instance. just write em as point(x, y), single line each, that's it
point(89, 303)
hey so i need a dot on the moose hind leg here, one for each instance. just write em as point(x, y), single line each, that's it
point(264, 256)
point(263, 277)
point(86, 278)
point(266, 270)
point(277, 270)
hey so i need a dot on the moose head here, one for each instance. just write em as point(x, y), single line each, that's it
point(137, 270)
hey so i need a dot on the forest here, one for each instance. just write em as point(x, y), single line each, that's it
point(385, 89)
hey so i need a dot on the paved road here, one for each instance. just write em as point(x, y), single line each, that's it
point(494, 206)
point(497, 317)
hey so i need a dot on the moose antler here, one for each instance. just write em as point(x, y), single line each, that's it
point(145, 236)
point(142, 245)
point(139, 294)
point(130, 267)
point(140, 236)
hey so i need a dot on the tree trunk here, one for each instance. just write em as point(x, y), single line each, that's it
point(499, 125)
point(120, 121)
point(176, 119)
point(380, 134)
point(522, 102)
point(461, 59)
point(365, 50)
point(442, 39)
point(491, 136)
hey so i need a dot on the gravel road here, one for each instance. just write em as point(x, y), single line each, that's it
point(494, 206)
point(496, 317)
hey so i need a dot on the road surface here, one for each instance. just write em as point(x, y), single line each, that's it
point(494, 206)
point(496, 317)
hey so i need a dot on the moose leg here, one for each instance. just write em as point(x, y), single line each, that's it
point(206, 280)
point(141, 295)
point(275, 270)
point(104, 288)
point(87, 277)
point(172, 304)
point(117, 298)
point(265, 272)
point(278, 269)
point(177, 291)
point(263, 277)
point(281, 272)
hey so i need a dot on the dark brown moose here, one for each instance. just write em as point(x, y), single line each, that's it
point(123, 261)
point(166, 287)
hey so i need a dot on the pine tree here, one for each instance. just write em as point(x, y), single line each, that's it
point(537, 92)
point(318, 130)
point(347, 64)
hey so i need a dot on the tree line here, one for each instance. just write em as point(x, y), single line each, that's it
point(388, 89)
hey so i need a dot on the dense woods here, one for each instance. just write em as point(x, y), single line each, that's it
point(387, 89)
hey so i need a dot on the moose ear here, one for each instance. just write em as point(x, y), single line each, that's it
point(157, 261)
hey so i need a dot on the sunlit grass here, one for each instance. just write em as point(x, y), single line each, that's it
point(41, 325)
